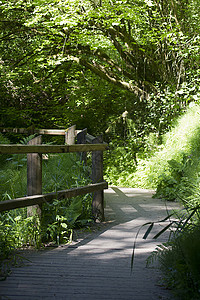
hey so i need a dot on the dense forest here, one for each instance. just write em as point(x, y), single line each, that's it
point(88, 62)
point(128, 69)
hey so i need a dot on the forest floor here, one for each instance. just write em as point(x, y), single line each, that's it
point(97, 264)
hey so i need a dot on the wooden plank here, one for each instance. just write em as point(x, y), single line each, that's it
point(89, 138)
point(70, 135)
point(34, 169)
point(34, 175)
point(22, 149)
point(39, 199)
point(32, 130)
point(39, 131)
point(81, 139)
point(97, 176)
point(51, 131)
point(81, 136)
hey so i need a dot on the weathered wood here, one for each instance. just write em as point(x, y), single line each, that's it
point(97, 176)
point(39, 199)
point(97, 146)
point(50, 131)
point(90, 138)
point(23, 149)
point(32, 130)
point(70, 135)
point(81, 139)
point(34, 175)
point(81, 136)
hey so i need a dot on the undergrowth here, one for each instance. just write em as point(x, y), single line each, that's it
point(175, 167)
point(171, 168)
point(58, 219)
point(179, 258)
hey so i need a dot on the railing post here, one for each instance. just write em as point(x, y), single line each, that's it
point(34, 176)
point(81, 139)
point(70, 135)
point(97, 176)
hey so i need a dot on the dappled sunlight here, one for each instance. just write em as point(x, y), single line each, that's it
point(100, 263)
point(138, 203)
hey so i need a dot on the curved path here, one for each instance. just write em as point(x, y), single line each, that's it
point(97, 267)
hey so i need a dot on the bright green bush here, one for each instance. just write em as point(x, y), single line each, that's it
point(175, 167)
point(119, 164)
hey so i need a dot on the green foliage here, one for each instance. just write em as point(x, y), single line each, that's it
point(129, 141)
point(60, 217)
point(181, 262)
point(58, 231)
point(179, 258)
point(119, 163)
point(16, 231)
point(3, 140)
point(60, 171)
point(81, 61)
point(174, 168)
point(13, 180)
point(3, 157)
point(138, 132)
point(120, 159)
point(65, 172)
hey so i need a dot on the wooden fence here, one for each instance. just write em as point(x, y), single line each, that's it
point(34, 151)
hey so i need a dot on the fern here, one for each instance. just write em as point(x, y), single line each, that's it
point(157, 254)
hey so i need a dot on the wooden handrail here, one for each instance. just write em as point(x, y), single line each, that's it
point(39, 199)
point(34, 166)
point(23, 149)
point(33, 130)
point(38, 131)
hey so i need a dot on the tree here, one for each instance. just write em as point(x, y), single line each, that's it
point(139, 46)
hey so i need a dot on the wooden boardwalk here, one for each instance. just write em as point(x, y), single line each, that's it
point(98, 266)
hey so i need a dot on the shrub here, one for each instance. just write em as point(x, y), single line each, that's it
point(176, 165)
point(179, 260)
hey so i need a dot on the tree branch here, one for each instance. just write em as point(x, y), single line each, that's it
point(102, 72)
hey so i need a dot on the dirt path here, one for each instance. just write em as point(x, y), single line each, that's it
point(97, 265)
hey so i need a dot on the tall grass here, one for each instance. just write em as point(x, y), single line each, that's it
point(175, 167)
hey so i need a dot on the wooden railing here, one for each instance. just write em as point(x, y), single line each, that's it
point(34, 151)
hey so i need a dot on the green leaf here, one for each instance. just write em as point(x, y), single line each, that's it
point(163, 230)
point(64, 225)
point(148, 231)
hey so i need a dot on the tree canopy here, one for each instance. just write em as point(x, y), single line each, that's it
point(61, 57)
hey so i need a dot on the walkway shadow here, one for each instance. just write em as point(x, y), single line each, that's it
point(99, 265)
point(130, 208)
